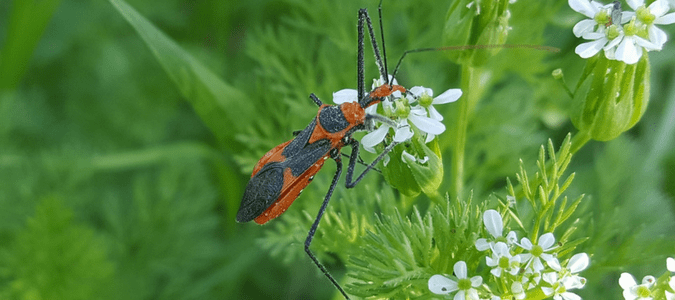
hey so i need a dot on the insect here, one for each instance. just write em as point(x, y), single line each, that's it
point(281, 174)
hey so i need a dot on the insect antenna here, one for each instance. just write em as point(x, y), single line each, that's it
point(384, 52)
point(466, 47)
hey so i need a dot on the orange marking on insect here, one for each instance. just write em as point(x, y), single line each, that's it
point(386, 90)
point(274, 155)
point(292, 188)
point(354, 114)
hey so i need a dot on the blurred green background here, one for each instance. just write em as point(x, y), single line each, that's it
point(124, 152)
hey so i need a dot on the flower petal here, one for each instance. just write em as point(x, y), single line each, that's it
point(501, 249)
point(418, 91)
point(554, 264)
point(403, 134)
point(626, 281)
point(626, 16)
point(450, 95)
point(472, 294)
point(570, 296)
point(550, 277)
point(537, 266)
point(374, 137)
point(613, 43)
point(670, 264)
point(634, 4)
point(584, 7)
point(657, 36)
point(430, 137)
point(460, 269)
point(665, 20)
point(476, 281)
point(659, 8)
point(427, 124)
point(589, 49)
point(482, 244)
point(583, 26)
point(646, 44)
point(434, 114)
point(526, 244)
point(442, 285)
point(578, 263)
point(493, 222)
point(547, 290)
point(627, 51)
point(546, 241)
point(345, 95)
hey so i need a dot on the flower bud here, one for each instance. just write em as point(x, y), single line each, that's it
point(611, 97)
point(415, 167)
point(477, 23)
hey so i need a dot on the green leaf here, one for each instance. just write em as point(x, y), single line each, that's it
point(27, 22)
point(211, 98)
point(55, 258)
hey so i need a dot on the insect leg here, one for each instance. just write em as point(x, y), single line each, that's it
point(362, 162)
point(359, 61)
point(363, 15)
point(312, 230)
point(352, 162)
point(384, 52)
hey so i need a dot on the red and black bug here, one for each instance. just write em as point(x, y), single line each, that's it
point(281, 174)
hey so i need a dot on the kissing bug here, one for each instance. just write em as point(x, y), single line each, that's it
point(281, 174)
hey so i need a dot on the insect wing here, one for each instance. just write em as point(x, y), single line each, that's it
point(280, 176)
point(289, 192)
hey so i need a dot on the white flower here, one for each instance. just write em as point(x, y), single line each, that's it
point(537, 252)
point(654, 14)
point(576, 264)
point(402, 133)
point(441, 285)
point(600, 28)
point(405, 115)
point(631, 290)
point(558, 288)
point(630, 48)
point(531, 278)
point(588, 49)
point(494, 225)
point(670, 265)
point(624, 43)
point(409, 158)
point(517, 290)
point(380, 81)
point(424, 97)
point(589, 9)
point(503, 260)
point(424, 94)
point(669, 295)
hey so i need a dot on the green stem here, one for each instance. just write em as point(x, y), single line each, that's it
point(462, 120)
point(579, 140)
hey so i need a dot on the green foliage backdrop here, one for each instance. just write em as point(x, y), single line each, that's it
point(128, 131)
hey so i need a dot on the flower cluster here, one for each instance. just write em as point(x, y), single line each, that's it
point(415, 107)
point(522, 267)
point(622, 35)
point(649, 288)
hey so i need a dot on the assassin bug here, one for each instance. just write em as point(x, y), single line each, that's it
point(281, 174)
